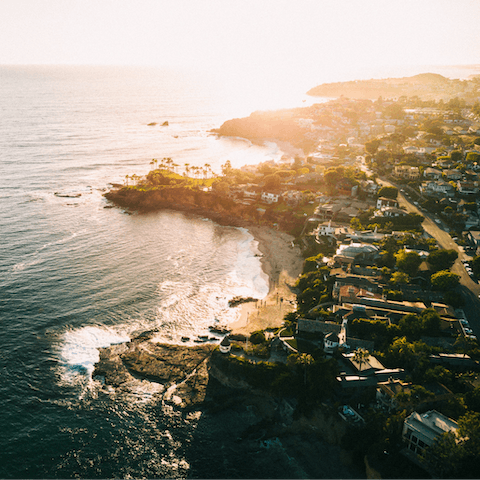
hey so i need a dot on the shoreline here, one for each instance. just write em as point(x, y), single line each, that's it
point(282, 263)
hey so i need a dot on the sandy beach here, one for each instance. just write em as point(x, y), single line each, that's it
point(282, 263)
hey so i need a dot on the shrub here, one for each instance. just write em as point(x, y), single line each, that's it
point(257, 337)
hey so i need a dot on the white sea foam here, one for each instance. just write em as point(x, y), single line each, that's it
point(79, 351)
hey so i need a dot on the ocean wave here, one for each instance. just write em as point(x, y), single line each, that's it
point(79, 349)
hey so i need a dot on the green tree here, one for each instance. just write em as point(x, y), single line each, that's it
point(388, 192)
point(444, 280)
point(456, 156)
point(408, 262)
point(476, 265)
point(442, 259)
point(272, 181)
point(372, 146)
point(444, 456)
point(361, 356)
point(399, 278)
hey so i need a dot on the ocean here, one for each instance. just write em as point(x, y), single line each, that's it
point(76, 276)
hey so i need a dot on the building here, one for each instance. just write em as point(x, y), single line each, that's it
point(270, 197)
point(387, 391)
point(407, 171)
point(225, 345)
point(383, 202)
point(420, 431)
point(357, 253)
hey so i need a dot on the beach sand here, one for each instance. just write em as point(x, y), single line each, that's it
point(283, 264)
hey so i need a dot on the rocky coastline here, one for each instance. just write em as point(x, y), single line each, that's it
point(192, 382)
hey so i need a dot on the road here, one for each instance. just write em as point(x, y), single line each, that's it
point(468, 287)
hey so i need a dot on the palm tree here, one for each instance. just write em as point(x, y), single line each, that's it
point(126, 178)
point(187, 169)
point(305, 359)
point(208, 167)
point(361, 355)
point(152, 162)
point(195, 170)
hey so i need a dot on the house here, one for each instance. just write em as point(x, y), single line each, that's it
point(387, 392)
point(452, 175)
point(331, 341)
point(439, 187)
point(383, 202)
point(406, 171)
point(293, 197)
point(350, 293)
point(368, 366)
point(390, 212)
point(420, 431)
point(467, 187)
point(270, 197)
point(366, 236)
point(432, 173)
point(357, 253)
point(327, 229)
point(225, 345)
point(327, 211)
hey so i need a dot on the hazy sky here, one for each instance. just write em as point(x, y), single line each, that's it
point(255, 36)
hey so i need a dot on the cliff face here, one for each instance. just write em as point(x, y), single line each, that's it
point(281, 125)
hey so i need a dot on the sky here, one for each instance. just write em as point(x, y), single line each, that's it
point(263, 38)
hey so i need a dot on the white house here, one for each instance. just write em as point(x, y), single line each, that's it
point(391, 212)
point(383, 202)
point(225, 345)
point(270, 197)
point(437, 188)
point(420, 431)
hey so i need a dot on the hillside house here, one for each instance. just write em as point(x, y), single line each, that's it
point(420, 431)
point(406, 171)
point(383, 202)
point(438, 188)
point(270, 197)
point(391, 212)
point(454, 175)
point(432, 173)
point(467, 187)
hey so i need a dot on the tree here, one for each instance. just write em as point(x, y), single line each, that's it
point(227, 168)
point(372, 146)
point(444, 280)
point(472, 157)
point(442, 259)
point(408, 262)
point(388, 192)
point(361, 356)
point(476, 265)
point(456, 156)
point(399, 278)
point(272, 181)
point(305, 359)
point(444, 455)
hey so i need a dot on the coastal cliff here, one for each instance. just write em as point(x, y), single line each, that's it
point(194, 380)
point(278, 126)
point(426, 86)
